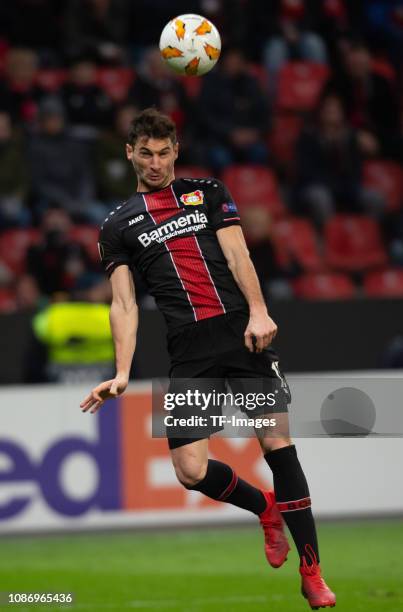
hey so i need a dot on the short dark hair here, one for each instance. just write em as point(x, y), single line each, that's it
point(153, 124)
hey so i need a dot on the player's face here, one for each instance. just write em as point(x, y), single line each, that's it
point(153, 160)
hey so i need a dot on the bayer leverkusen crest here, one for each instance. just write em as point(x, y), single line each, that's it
point(194, 198)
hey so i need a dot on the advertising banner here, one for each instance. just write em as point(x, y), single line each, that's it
point(63, 469)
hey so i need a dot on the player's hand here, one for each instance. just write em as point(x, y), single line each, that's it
point(105, 390)
point(263, 329)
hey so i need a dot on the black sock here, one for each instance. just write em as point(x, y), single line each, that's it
point(222, 483)
point(293, 499)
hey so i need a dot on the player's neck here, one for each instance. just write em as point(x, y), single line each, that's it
point(145, 187)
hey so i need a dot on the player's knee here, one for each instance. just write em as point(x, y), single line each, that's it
point(190, 473)
point(270, 444)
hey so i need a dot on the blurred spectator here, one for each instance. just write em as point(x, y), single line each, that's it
point(256, 223)
point(292, 40)
point(329, 166)
point(336, 20)
point(88, 106)
point(156, 85)
point(19, 95)
point(395, 229)
point(57, 163)
point(68, 142)
point(369, 99)
point(115, 179)
point(27, 293)
point(149, 17)
point(13, 176)
point(233, 113)
point(6, 275)
point(397, 146)
point(58, 265)
point(385, 26)
point(33, 23)
point(99, 292)
point(97, 26)
point(335, 17)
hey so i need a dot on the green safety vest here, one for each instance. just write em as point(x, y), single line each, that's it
point(75, 333)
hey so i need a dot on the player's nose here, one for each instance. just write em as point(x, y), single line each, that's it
point(155, 162)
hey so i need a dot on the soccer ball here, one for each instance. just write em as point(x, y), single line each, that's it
point(190, 45)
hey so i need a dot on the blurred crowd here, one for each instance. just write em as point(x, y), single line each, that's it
point(302, 117)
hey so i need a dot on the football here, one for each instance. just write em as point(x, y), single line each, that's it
point(190, 45)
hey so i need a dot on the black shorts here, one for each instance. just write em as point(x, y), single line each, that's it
point(215, 348)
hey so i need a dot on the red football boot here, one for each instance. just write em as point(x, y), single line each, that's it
point(313, 587)
point(276, 545)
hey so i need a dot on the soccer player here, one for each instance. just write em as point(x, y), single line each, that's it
point(184, 236)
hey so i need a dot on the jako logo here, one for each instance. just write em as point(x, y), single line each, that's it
point(136, 219)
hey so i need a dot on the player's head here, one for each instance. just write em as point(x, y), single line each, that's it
point(152, 148)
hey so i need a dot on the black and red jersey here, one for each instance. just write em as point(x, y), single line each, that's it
point(169, 237)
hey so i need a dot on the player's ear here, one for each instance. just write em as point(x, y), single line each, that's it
point(129, 152)
point(176, 150)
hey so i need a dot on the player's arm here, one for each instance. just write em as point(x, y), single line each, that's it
point(260, 325)
point(124, 323)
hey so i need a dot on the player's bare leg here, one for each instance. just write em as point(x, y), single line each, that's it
point(190, 462)
point(214, 478)
point(294, 503)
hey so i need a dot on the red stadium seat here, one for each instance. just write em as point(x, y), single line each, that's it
point(87, 236)
point(116, 82)
point(300, 84)
point(384, 69)
point(285, 131)
point(384, 283)
point(326, 286)
point(191, 172)
point(4, 46)
point(353, 243)
point(386, 177)
point(254, 185)
point(7, 301)
point(51, 80)
point(14, 244)
point(296, 240)
point(193, 85)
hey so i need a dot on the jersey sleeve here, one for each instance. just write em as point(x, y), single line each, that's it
point(222, 210)
point(112, 251)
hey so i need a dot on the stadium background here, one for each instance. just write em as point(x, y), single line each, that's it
point(303, 120)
